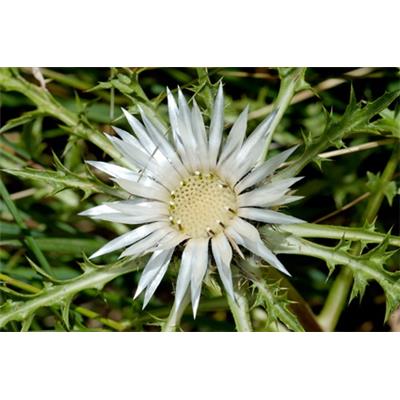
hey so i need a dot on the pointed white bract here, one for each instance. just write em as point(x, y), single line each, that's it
point(196, 191)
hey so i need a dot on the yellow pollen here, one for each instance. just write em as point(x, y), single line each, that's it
point(202, 206)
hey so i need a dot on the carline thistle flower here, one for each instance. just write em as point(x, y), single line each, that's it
point(197, 190)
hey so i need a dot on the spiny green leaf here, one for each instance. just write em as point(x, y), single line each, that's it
point(21, 120)
point(308, 138)
point(65, 308)
point(370, 266)
point(27, 322)
point(101, 85)
point(359, 285)
point(273, 297)
point(344, 244)
point(56, 294)
point(297, 74)
point(60, 180)
point(124, 79)
point(355, 117)
point(276, 304)
point(121, 86)
point(390, 122)
point(45, 275)
point(392, 293)
point(379, 254)
point(32, 139)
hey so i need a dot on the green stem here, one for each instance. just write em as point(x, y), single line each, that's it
point(376, 199)
point(240, 311)
point(81, 310)
point(69, 179)
point(294, 245)
point(336, 300)
point(45, 102)
point(338, 232)
point(287, 89)
point(56, 294)
point(29, 241)
point(19, 284)
point(76, 83)
point(174, 317)
point(354, 118)
point(339, 292)
point(118, 326)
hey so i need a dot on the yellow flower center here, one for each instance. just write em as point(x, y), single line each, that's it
point(203, 205)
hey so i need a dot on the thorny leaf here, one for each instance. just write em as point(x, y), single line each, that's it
point(366, 267)
point(374, 182)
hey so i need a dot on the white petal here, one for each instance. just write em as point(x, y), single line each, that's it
point(133, 153)
point(184, 275)
point(155, 263)
point(268, 216)
point(168, 241)
point(114, 170)
point(247, 235)
point(171, 240)
point(199, 132)
point(145, 189)
point(185, 119)
point(127, 238)
point(97, 211)
point(216, 127)
point(222, 253)
point(131, 219)
point(164, 146)
point(154, 118)
point(109, 212)
point(146, 155)
point(118, 144)
point(185, 133)
point(173, 113)
point(147, 243)
point(129, 138)
point(267, 193)
point(139, 206)
point(279, 200)
point(140, 132)
point(264, 170)
point(129, 211)
point(285, 200)
point(235, 137)
point(155, 283)
point(199, 268)
point(159, 169)
point(250, 152)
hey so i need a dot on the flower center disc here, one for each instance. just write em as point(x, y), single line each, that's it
point(202, 205)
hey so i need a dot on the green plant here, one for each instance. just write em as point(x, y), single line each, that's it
point(50, 130)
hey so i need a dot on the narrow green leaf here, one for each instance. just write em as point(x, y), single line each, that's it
point(60, 180)
point(65, 308)
point(27, 322)
point(21, 120)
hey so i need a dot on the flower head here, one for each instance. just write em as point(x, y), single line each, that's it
point(196, 190)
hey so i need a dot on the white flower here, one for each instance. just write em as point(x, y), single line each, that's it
point(198, 189)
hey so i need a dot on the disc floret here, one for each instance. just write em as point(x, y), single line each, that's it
point(203, 205)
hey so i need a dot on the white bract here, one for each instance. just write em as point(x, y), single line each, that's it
point(197, 189)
